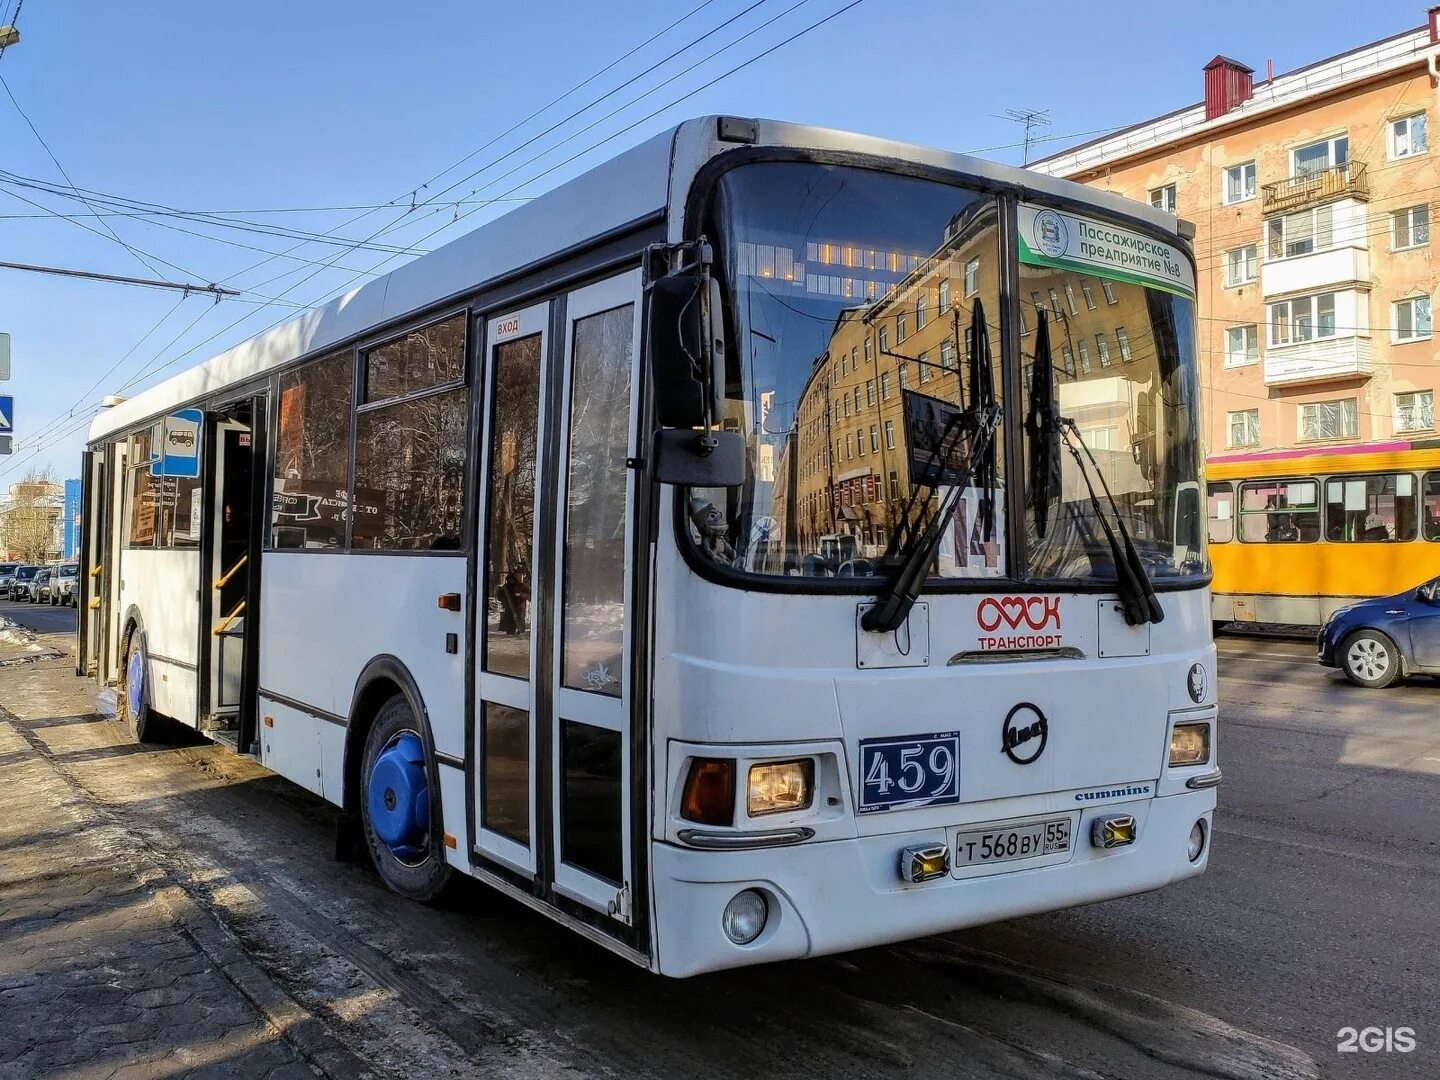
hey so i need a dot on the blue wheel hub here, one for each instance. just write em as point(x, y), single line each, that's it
point(399, 798)
point(135, 681)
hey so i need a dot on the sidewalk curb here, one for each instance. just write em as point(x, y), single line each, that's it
point(290, 1020)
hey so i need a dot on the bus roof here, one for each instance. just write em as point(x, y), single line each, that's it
point(626, 189)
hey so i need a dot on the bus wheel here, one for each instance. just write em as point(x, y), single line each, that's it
point(132, 704)
point(396, 807)
point(1370, 659)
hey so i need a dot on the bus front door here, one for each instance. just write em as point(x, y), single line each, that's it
point(554, 746)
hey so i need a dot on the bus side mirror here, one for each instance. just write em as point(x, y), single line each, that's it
point(687, 350)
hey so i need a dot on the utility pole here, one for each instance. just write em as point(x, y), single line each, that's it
point(1032, 120)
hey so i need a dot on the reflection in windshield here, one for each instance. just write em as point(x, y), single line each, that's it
point(850, 298)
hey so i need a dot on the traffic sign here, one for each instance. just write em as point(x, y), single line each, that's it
point(7, 445)
point(179, 451)
point(7, 414)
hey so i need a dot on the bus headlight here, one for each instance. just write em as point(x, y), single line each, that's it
point(1189, 744)
point(778, 786)
point(744, 917)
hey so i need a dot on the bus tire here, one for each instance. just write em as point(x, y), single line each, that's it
point(1370, 659)
point(397, 809)
point(132, 698)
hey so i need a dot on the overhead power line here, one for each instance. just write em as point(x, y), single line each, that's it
point(216, 291)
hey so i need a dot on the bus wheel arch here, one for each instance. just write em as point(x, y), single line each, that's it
point(134, 706)
point(387, 708)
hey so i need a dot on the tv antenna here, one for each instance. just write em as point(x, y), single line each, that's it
point(1032, 119)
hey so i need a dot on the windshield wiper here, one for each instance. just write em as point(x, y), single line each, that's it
point(1042, 427)
point(1138, 601)
point(980, 421)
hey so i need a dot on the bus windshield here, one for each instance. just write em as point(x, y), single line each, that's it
point(851, 294)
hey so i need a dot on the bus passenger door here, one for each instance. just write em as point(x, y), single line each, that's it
point(590, 736)
point(507, 707)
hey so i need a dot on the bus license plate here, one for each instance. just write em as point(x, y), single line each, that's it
point(1030, 841)
point(909, 771)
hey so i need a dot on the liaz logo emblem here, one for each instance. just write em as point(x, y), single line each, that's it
point(1029, 613)
point(1196, 683)
point(1051, 235)
point(1024, 733)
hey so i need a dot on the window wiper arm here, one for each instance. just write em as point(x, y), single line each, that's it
point(893, 602)
point(1138, 601)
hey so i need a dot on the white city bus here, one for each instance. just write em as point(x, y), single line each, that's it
point(772, 542)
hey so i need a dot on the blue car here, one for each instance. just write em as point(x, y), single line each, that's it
point(1378, 641)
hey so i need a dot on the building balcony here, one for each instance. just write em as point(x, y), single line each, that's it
point(1333, 268)
point(1318, 361)
point(1312, 188)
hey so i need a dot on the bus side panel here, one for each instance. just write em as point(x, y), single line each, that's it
point(326, 616)
point(162, 586)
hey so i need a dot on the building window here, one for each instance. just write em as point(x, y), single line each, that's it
point(1070, 299)
point(874, 439)
point(854, 359)
point(1242, 345)
point(1329, 420)
point(1410, 228)
point(1415, 411)
point(1240, 183)
point(924, 365)
point(944, 301)
point(1163, 198)
point(884, 339)
point(890, 439)
point(1240, 266)
point(972, 277)
point(856, 395)
point(1024, 323)
point(894, 485)
point(1123, 340)
point(870, 392)
point(1304, 318)
point(1088, 294)
point(900, 326)
point(904, 370)
point(1411, 321)
point(1318, 156)
point(1109, 292)
point(947, 355)
point(1067, 360)
point(869, 351)
point(1084, 357)
point(1102, 346)
point(1055, 304)
point(1244, 428)
point(860, 439)
point(1407, 136)
point(1300, 233)
point(849, 445)
point(884, 386)
point(921, 312)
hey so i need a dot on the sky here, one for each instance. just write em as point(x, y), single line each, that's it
point(276, 106)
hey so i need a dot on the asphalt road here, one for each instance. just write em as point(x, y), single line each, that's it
point(42, 618)
point(1318, 913)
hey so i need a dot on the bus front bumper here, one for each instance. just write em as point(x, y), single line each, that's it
point(847, 894)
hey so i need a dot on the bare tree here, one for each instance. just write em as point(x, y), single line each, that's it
point(29, 519)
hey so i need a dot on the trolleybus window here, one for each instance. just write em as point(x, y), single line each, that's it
point(1432, 506)
point(1220, 512)
point(312, 455)
point(1370, 509)
point(1280, 512)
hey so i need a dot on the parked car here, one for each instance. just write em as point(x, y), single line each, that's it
point(39, 585)
point(20, 586)
point(63, 585)
point(7, 577)
point(1378, 641)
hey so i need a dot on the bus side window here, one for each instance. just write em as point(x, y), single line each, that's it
point(1370, 509)
point(1220, 512)
point(1280, 512)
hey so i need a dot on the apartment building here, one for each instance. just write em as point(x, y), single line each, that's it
point(1312, 194)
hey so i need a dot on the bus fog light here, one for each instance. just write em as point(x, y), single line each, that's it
point(1189, 744)
point(744, 917)
point(1113, 832)
point(778, 786)
point(1196, 845)
point(924, 864)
